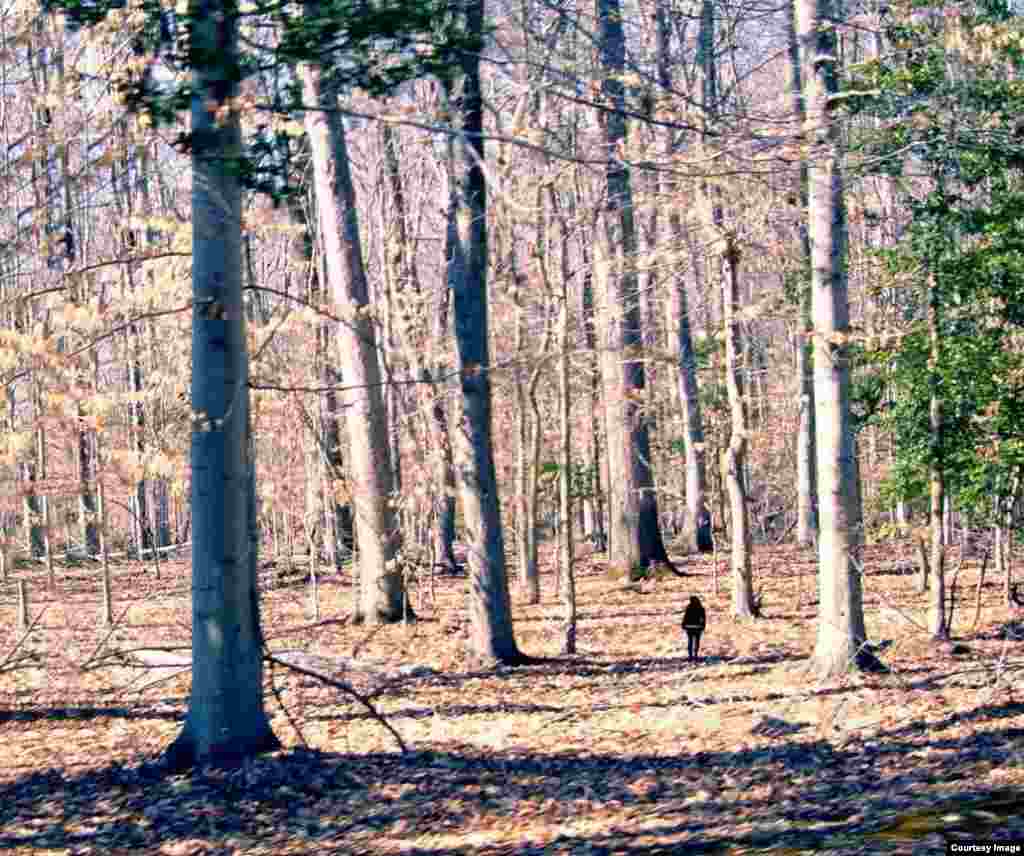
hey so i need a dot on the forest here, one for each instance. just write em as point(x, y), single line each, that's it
point(475, 426)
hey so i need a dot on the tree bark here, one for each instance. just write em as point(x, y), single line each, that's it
point(567, 573)
point(735, 453)
point(936, 471)
point(679, 318)
point(635, 529)
point(491, 637)
point(806, 475)
point(595, 504)
point(842, 638)
point(226, 720)
point(382, 590)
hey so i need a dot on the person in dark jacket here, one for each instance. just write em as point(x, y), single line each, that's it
point(695, 619)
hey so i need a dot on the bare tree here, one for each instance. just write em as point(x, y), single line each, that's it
point(635, 529)
point(936, 565)
point(679, 311)
point(226, 719)
point(490, 614)
point(735, 453)
point(806, 476)
point(842, 637)
point(382, 590)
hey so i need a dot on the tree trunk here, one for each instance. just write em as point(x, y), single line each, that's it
point(31, 504)
point(43, 472)
point(735, 453)
point(679, 318)
point(491, 637)
point(87, 516)
point(138, 504)
point(567, 589)
point(936, 471)
point(806, 475)
point(427, 370)
point(336, 512)
point(842, 638)
point(383, 596)
point(226, 720)
point(595, 504)
point(635, 529)
point(527, 465)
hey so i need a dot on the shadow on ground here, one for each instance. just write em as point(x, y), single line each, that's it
point(464, 802)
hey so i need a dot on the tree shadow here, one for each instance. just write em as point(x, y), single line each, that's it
point(139, 711)
point(469, 802)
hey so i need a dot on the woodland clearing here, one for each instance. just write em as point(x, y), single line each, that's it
point(624, 748)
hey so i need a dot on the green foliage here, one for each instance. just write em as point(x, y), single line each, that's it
point(945, 124)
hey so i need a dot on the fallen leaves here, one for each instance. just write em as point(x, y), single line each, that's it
point(626, 746)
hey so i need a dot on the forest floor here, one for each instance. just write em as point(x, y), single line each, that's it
point(624, 748)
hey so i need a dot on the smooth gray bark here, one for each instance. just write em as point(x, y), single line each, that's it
point(635, 530)
point(735, 453)
point(382, 591)
point(226, 720)
point(679, 318)
point(842, 638)
point(491, 637)
point(806, 474)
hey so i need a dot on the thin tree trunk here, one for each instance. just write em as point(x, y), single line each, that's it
point(806, 475)
point(679, 316)
point(429, 367)
point(527, 464)
point(735, 453)
point(42, 461)
point(936, 473)
point(31, 504)
point(595, 461)
point(567, 575)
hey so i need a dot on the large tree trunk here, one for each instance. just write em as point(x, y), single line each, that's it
point(842, 638)
point(491, 637)
point(635, 529)
point(226, 720)
point(382, 590)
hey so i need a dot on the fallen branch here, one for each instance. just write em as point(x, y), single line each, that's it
point(23, 637)
point(345, 688)
point(113, 626)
